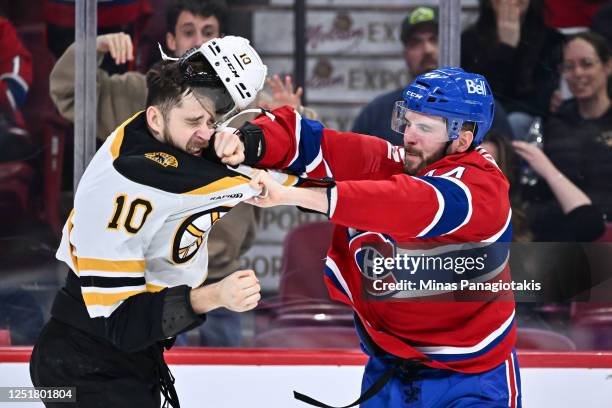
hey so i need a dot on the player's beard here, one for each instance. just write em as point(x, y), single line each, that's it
point(195, 145)
point(415, 161)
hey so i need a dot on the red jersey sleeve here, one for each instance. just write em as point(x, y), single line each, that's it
point(304, 147)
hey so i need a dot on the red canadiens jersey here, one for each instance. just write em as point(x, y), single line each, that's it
point(15, 69)
point(458, 207)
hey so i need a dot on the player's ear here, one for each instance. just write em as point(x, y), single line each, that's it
point(155, 120)
point(171, 42)
point(464, 141)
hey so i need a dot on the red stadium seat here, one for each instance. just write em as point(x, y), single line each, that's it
point(47, 128)
point(545, 340)
point(303, 298)
point(304, 252)
point(15, 180)
point(5, 337)
point(308, 337)
point(592, 325)
point(607, 236)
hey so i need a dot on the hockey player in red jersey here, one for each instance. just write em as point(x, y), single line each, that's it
point(440, 189)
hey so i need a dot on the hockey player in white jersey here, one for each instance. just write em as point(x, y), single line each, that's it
point(136, 239)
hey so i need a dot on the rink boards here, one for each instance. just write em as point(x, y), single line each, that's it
point(266, 378)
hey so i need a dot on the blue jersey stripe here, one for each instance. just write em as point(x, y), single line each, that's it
point(456, 206)
point(330, 274)
point(310, 145)
point(17, 90)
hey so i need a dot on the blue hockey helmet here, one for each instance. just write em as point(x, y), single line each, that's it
point(453, 94)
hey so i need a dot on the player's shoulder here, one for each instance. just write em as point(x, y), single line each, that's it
point(477, 170)
point(142, 159)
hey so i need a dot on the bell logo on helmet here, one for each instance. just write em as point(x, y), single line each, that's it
point(477, 86)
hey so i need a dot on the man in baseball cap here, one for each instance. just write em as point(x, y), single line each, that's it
point(419, 36)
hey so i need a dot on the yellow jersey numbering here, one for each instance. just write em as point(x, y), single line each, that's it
point(162, 158)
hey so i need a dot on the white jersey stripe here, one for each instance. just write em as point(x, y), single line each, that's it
point(473, 349)
point(440, 209)
point(329, 262)
point(499, 233)
point(298, 131)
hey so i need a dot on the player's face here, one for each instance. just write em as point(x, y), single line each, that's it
point(191, 31)
point(189, 126)
point(424, 141)
point(586, 75)
point(421, 51)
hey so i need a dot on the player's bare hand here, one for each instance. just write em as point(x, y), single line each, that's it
point(272, 192)
point(239, 291)
point(229, 148)
point(283, 94)
point(119, 45)
point(535, 158)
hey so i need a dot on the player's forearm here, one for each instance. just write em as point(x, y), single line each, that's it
point(205, 298)
point(312, 198)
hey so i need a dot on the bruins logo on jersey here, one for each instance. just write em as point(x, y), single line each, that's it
point(162, 158)
point(191, 234)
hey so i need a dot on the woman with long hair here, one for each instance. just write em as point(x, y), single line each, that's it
point(512, 47)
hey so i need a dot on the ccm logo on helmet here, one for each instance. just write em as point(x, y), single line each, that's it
point(231, 67)
point(477, 86)
point(413, 94)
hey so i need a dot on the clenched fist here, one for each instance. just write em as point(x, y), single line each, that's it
point(229, 148)
point(238, 292)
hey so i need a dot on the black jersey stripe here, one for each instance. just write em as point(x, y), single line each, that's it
point(106, 282)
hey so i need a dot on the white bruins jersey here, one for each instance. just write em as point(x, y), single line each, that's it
point(142, 214)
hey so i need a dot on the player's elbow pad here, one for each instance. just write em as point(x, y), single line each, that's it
point(147, 318)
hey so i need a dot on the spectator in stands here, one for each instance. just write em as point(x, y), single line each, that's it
point(512, 47)
point(190, 23)
point(576, 163)
point(15, 79)
point(113, 16)
point(498, 145)
point(419, 36)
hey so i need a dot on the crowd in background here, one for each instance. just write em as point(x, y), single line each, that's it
point(548, 63)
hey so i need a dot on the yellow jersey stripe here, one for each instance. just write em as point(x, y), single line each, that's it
point(116, 145)
point(107, 299)
point(93, 264)
point(220, 185)
point(71, 249)
point(154, 288)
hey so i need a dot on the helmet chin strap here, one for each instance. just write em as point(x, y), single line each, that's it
point(223, 126)
point(164, 56)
